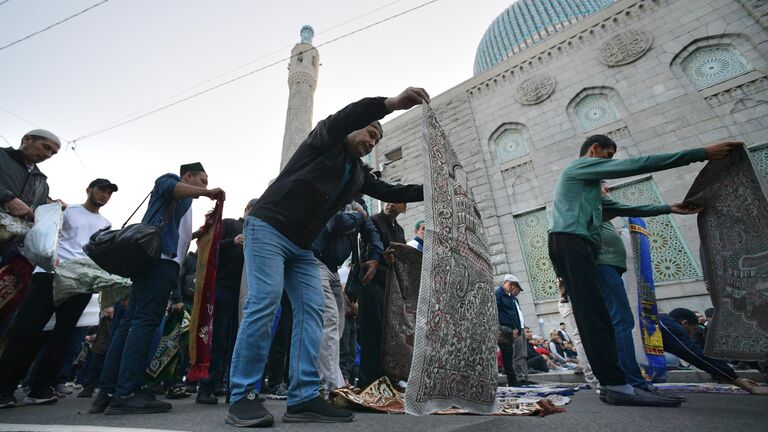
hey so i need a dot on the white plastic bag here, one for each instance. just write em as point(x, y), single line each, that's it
point(41, 243)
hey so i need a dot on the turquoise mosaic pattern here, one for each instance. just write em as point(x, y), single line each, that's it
point(528, 22)
point(595, 111)
point(759, 156)
point(510, 145)
point(710, 66)
point(532, 233)
point(671, 257)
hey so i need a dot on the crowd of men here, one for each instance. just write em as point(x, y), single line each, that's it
point(285, 324)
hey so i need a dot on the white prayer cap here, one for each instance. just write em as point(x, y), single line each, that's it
point(45, 134)
point(511, 278)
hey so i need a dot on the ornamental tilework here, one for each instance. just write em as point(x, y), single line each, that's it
point(709, 66)
point(532, 233)
point(759, 156)
point(595, 111)
point(510, 145)
point(672, 260)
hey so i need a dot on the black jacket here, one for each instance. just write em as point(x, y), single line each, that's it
point(17, 182)
point(388, 234)
point(308, 191)
point(230, 259)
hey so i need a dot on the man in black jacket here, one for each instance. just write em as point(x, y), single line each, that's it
point(22, 185)
point(513, 352)
point(323, 175)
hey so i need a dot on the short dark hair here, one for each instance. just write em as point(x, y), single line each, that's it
point(602, 141)
point(709, 312)
point(562, 323)
point(683, 314)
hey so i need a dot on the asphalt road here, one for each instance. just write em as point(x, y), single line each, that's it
point(710, 412)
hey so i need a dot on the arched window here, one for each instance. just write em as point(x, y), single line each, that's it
point(510, 145)
point(594, 111)
point(532, 229)
point(712, 65)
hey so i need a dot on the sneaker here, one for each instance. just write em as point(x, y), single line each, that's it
point(204, 397)
point(63, 389)
point(278, 392)
point(74, 386)
point(140, 402)
point(7, 400)
point(45, 396)
point(317, 410)
point(100, 404)
point(87, 392)
point(249, 412)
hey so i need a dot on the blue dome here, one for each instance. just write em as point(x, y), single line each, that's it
point(528, 22)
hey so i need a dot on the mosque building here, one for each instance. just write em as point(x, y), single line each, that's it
point(655, 75)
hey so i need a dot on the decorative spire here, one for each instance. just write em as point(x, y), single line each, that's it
point(307, 33)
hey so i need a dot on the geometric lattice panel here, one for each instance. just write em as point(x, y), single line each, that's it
point(670, 256)
point(510, 145)
point(594, 111)
point(709, 66)
point(532, 232)
point(759, 156)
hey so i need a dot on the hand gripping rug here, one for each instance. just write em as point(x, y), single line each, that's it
point(454, 354)
point(734, 242)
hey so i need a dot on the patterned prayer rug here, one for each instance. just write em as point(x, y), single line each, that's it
point(648, 310)
point(205, 285)
point(163, 363)
point(15, 276)
point(454, 355)
point(734, 242)
point(382, 396)
point(401, 296)
point(702, 388)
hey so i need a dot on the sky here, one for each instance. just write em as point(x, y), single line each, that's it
point(126, 57)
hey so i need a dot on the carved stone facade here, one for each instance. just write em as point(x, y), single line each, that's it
point(624, 48)
point(649, 106)
point(536, 89)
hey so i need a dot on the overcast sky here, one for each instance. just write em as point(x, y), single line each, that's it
point(125, 56)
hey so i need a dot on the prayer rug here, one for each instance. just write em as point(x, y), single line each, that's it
point(163, 363)
point(702, 388)
point(382, 396)
point(454, 355)
point(205, 295)
point(401, 296)
point(82, 275)
point(646, 294)
point(15, 276)
point(734, 251)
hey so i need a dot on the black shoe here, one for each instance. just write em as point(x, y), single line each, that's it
point(7, 400)
point(526, 382)
point(140, 402)
point(100, 404)
point(44, 396)
point(87, 392)
point(204, 397)
point(190, 387)
point(249, 412)
point(317, 410)
point(220, 390)
point(640, 398)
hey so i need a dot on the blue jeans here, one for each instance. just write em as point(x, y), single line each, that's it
point(274, 263)
point(129, 350)
point(616, 301)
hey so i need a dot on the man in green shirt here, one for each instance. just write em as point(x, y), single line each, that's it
point(574, 243)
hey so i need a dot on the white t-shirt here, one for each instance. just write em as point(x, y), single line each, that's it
point(78, 226)
point(185, 237)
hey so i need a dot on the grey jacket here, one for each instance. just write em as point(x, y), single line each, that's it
point(18, 182)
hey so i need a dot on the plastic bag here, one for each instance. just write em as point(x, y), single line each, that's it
point(41, 243)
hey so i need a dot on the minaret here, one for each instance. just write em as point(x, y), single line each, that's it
point(302, 81)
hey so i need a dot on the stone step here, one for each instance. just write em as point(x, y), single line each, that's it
point(673, 376)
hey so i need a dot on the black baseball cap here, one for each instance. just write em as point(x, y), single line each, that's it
point(100, 182)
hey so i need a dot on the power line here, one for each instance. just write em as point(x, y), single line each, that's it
point(1, 136)
point(223, 74)
point(2, 3)
point(52, 25)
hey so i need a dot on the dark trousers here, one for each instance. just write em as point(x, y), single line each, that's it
point(129, 350)
point(574, 260)
point(225, 326)
point(507, 354)
point(538, 363)
point(26, 337)
point(348, 349)
point(685, 348)
point(371, 310)
point(276, 370)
